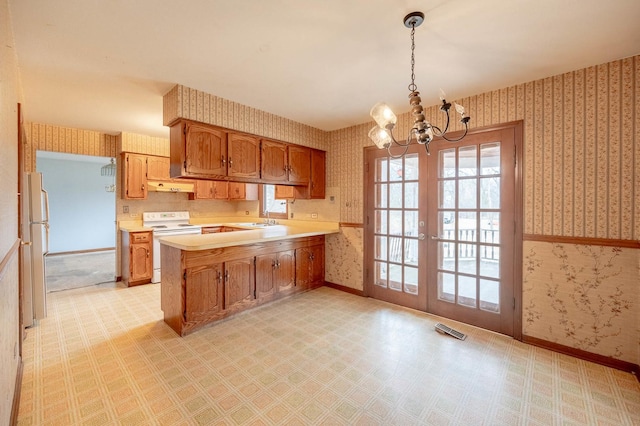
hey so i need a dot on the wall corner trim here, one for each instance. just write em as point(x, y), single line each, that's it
point(346, 289)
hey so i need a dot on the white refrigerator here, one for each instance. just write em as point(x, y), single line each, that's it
point(35, 232)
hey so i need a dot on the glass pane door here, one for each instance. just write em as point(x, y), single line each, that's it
point(469, 279)
point(394, 238)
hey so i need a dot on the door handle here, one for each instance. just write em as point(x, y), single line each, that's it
point(435, 237)
point(421, 236)
point(25, 243)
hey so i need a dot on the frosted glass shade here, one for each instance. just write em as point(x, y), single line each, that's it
point(459, 108)
point(380, 137)
point(383, 115)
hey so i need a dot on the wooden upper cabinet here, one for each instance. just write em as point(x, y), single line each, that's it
point(198, 150)
point(299, 167)
point(210, 190)
point(208, 152)
point(317, 180)
point(274, 161)
point(158, 168)
point(243, 156)
point(134, 176)
point(284, 163)
point(315, 187)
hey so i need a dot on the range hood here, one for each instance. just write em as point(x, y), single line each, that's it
point(170, 186)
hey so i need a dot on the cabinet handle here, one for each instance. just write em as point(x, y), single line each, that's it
point(278, 263)
point(142, 187)
point(219, 276)
point(223, 161)
point(230, 161)
point(147, 252)
point(226, 276)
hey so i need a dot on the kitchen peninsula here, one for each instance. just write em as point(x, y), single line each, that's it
point(211, 276)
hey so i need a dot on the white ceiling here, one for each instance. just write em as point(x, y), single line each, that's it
point(105, 65)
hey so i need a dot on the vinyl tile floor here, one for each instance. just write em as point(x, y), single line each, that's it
point(104, 356)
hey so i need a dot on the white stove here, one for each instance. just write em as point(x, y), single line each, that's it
point(165, 224)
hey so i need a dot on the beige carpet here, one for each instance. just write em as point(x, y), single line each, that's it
point(104, 356)
point(67, 271)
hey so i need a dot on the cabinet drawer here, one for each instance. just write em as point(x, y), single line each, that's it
point(140, 237)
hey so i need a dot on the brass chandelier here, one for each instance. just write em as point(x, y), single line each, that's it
point(422, 131)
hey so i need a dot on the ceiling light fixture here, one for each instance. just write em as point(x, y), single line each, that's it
point(422, 130)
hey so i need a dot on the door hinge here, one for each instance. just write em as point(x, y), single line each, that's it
point(514, 303)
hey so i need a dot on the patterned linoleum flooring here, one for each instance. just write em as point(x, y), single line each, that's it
point(104, 356)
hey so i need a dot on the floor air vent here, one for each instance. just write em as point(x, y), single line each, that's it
point(443, 329)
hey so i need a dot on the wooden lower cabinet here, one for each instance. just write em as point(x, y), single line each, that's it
point(239, 284)
point(275, 275)
point(205, 297)
point(137, 257)
point(200, 287)
point(309, 267)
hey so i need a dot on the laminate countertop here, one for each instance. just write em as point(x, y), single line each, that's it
point(195, 242)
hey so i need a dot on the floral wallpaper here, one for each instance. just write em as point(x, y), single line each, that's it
point(343, 257)
point(583, 296)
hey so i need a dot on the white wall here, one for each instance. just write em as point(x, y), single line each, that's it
point(81, 212)
point(9, 320)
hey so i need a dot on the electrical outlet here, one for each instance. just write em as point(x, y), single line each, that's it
point(291, 215)
point(125, 209)
point(314, 215)
point(332, 199)
point(246, 212)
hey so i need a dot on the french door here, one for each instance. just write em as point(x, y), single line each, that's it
point(395, 229)
point(440, 230)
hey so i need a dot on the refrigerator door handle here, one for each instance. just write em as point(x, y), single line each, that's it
point(46, 239)
point(46, 205)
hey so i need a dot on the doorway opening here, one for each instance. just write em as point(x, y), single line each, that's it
point(82, 233)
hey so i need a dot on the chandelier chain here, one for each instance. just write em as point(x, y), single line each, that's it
point(412, 86)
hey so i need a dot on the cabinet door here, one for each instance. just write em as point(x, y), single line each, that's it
point(237, 191)
point(244, 156)
point(310, 267)
point(203, 190)
point(303, 268)
point(285, 272)
point(274, 161)
point(205, 151)
point(283, 192)
point(316, 269)
point(203, 292)
point(220, 190)
point(239, 283)
point(157, 168)
point(265, 284)
point(318, 174)
point(135, 177)
point(299, 164)
point(141, 262)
